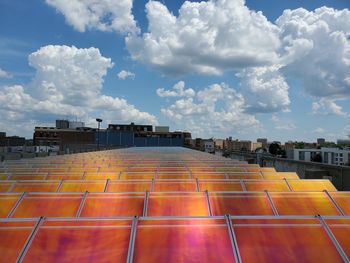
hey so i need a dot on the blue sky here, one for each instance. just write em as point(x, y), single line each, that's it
point(216, 68)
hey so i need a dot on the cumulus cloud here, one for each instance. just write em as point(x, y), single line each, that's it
point(178, 90)
point(266, 89)
point(316, 52)
point(309, 47)
point(104, 15)
point(68, 82)
point(4, 74)
point(125, 74)
point(206, 37)
point(214, 111)
point(328, 106)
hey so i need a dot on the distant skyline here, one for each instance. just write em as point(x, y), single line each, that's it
point(219, 68)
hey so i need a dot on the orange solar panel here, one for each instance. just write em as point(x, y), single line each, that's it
point(129, 186)
point(50, 186)
point(189, 240)
point(284, 240)
point(13, 238)
point(182, 175)
point(280, 175)
point(303, 203)
point(5, 186)
point(240, 204)
point(7, 202)
point(27, 177)
point(244, 175)
point(269, 185)
point(137, 176)
point(311, 185)
point(102, 176)
point(83, 186)
point(260, 169)
point(3, 177)
point(64, 177)
point(49, 205)
point(175, 185)
point(343, 201)
point(113, 205)
point(177, 204)
point(341, 230)
point(220, 185)
point(80, 241)
point(209, 175)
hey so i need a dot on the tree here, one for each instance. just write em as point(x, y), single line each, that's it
point(274, 148)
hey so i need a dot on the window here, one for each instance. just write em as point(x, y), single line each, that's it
point(302, 156)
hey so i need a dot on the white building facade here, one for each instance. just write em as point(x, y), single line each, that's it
point(334, 156)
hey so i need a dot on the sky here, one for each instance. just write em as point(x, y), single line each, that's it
point(246, 69)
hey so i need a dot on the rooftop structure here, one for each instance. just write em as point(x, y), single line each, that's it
point(167, 205)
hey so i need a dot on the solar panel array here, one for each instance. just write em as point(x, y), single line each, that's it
point(166, 205)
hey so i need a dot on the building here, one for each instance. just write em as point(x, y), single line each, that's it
point(321, 141)
point(130, 127)
point(289, 146)
point(64, 138)
point(141, 136)
point(115, 135)
point(343, 142)
point(219, 144)
point(333, 156)
point(237, 145)
point(263, 141)
point(161, 128)
point(12, 140)
point(208, 146)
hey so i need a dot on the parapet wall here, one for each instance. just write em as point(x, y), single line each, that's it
point(339, 175)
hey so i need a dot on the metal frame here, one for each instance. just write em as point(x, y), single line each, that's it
point(106, 186)
point(197, 185)
point(12, 186)
point(145, 204)
point(59, 186)
point(16, 205)
point(271, 203)
point(82, 204)
point(208, 202)
point(334, 203)
point(233, 239)
point(152, 185)
point(132, 240)
point(244, 189)
point(334, 240)
point(289, 187)
point(29, 240)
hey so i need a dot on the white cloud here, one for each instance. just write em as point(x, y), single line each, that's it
point(266, 89)
point(309, 47)
point(328, 106)
point(4, 74)
point(178, 90)
point(125, 74)
point(207, 37)
point(217, 110)
point(104, 15)
point(316, 52)
point(68, 82)
point(282, 124)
